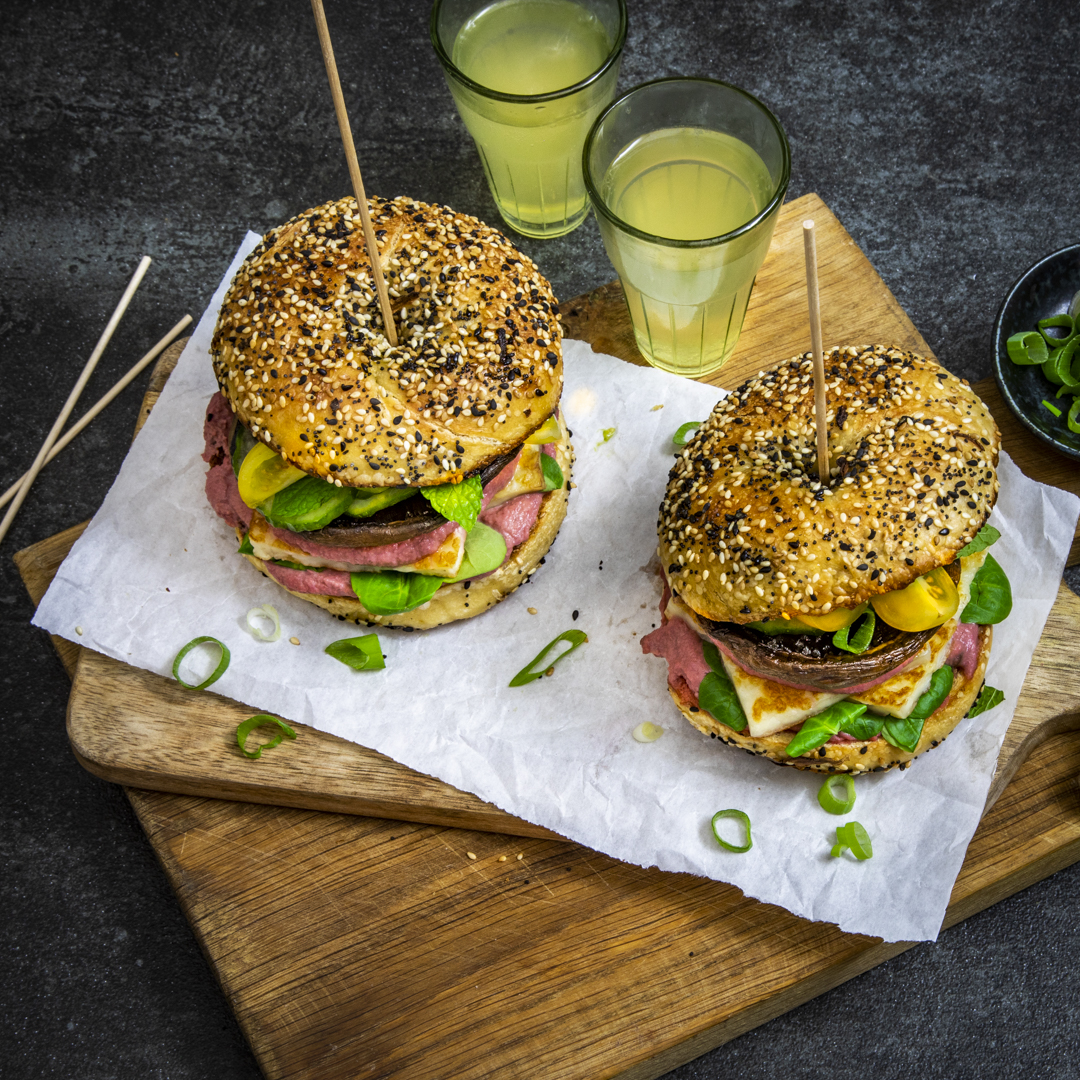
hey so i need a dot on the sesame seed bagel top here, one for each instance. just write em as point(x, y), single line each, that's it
point(748, 533)
point(300, 349)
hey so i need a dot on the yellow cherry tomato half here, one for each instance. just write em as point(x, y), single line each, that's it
point(263, 473)
point(928, 601)
point(549, 431)
point(835, 620)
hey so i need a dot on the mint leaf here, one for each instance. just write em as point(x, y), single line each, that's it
point(986, 536)
point(457, 502)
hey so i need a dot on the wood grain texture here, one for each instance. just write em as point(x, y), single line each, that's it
point(354, 947)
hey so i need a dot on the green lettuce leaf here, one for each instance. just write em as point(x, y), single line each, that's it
point(991, 595)
point(391, 592)
point(818, 729)
point(986, 536)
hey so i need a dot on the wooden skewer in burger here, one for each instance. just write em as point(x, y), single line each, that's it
point(407, 485)
point(406, 474)
point(840, 620)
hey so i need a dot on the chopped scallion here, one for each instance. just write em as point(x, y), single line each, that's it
point(528, 675)
point(853, 836)
point(831, 801)
point(1053, 408)
point(267, 611)
point(213, 677)
point(261, 720)
point(685, 433)
point(719, 816)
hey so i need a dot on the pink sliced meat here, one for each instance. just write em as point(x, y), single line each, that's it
point(964, 651)
point(221, 488)
point(515, 518)
point(677, 643)
point(403, 553)
point(315, 582)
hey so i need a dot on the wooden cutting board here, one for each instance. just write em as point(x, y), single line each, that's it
point(357, 946)
point(135, 728)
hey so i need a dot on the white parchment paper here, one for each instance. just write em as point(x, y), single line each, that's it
point(156, 568)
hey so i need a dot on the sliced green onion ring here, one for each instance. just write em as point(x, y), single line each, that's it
point(266, 611)
point(1073, 419)
point(832, 802)
point(738, 814)
point(260, 720)
point(853, 836)
point(213, 677)
point(527, 675)
point(1064, 322)
point(683, 435)
point(1027, 348)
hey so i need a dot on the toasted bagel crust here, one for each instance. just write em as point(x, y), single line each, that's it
point(746, 531)
point(855, 757)
point(300, 349)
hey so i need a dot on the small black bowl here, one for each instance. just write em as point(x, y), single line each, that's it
point(1047, 288)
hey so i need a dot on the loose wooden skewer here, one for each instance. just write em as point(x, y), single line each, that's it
point(354, 168)
point(73, 397)
point(74, 430)
point(810, 251)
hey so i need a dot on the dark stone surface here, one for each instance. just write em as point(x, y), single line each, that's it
point(939, 133)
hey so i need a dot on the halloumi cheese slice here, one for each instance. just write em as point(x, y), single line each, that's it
point(528, 477)
point(444, 561)
point(897, 696)
point(771, 706)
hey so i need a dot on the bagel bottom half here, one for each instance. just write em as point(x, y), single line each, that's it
point(463, 599)
point(855, 757)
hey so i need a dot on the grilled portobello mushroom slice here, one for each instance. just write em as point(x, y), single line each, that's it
point(811, 660)
point(403, 521)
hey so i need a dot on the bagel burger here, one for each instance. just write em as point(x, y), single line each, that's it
point(841, 626)
point(408, 485)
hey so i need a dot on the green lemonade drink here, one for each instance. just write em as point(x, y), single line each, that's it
point(531, 150)
point(687, 184)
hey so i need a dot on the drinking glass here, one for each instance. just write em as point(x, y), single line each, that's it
point(687, 177)
point(528, 78)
